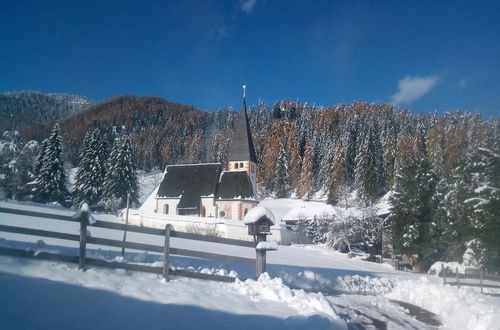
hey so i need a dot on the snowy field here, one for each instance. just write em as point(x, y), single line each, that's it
point(307, 287)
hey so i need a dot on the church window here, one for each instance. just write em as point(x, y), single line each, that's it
point(241, 165)
point(235, 165)
point(165, 209)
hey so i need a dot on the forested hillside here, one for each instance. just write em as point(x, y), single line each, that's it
point(18, 109)
point(326, 150)
point(443, 170)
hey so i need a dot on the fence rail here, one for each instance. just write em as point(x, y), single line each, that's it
point(84, 239)
point(457, 276)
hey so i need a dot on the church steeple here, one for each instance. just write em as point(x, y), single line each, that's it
point(242, 153)
point(242, 148)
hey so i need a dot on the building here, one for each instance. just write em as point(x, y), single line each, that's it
point(206, 190)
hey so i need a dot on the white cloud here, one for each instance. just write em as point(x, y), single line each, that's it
point(247, 5)
point(220, 32)
point(413, 88)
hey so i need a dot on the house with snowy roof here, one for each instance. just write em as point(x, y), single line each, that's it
point(208, 190)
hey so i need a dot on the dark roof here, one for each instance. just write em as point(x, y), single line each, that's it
point(235, 185)
point(242, 146)
point(189, 183)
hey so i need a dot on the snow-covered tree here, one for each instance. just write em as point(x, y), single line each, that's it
point(468, 206)
point(121, 178)
point(51, 178)
point(37, 166)
point(412, 208)
point(317, 228)
point(370, 171)
point(89, 185)
point(281, 184)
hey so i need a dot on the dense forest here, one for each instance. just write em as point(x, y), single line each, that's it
point(18, 109)
point(443, 169)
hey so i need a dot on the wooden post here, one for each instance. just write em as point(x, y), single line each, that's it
point(126, 224)
point(458, 279)
point(443, 271)
point(260, 260)
point(481, 275)
point(166, 251)
point(84, 218)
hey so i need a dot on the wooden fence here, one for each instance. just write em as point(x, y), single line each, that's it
point(85, 239)
point(453, 278)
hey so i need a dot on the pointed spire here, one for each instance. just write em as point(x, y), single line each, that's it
point(242, 147)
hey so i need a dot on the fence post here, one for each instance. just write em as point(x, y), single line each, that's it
point(166, 251)
point(443, 271)
point(260, 260)
point(481, 275)
point(458, 279)
point(84, 219)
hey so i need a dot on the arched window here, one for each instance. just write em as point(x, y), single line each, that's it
point(235, 165)
point(246, 211)
point(241, 165)
point(165, 209)
point(222, 214)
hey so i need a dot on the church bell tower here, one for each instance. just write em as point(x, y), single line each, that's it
point(242, 153)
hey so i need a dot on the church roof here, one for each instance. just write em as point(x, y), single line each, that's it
point(242, 145)
point(189, 183)
point(235, 185)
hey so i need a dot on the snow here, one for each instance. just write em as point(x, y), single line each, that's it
point(258, 212)
point(346, 289)
point(458, 308)
point(59, 296)
point(268, 245)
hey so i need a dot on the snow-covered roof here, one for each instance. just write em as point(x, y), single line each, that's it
point(258, 212)
point(235, 185)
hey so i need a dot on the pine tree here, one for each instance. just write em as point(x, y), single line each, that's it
point(90, 175)
point(369, 173)
point(282, 175)
point(468, 206)
point(39, 159)
point(412, 209)
point(121, 178)
point(51, 178)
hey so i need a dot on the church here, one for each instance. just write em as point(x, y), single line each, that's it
point(209, 190)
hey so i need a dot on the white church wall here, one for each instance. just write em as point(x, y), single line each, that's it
point(172, 206)
point(210, 208)
point(211, 226)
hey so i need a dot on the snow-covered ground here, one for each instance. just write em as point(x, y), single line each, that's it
point(307, 287)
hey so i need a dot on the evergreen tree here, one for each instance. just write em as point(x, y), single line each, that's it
point(282, 175)
point(469, 206)
point(351, 136)
point(37, 166)
point(369, 173)
point(121, 178)
point(90, 175)
point(412, 209)
point(51, 178)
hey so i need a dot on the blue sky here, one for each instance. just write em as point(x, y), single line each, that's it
point(420, 55)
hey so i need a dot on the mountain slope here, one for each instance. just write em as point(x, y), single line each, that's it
point(22, 108)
